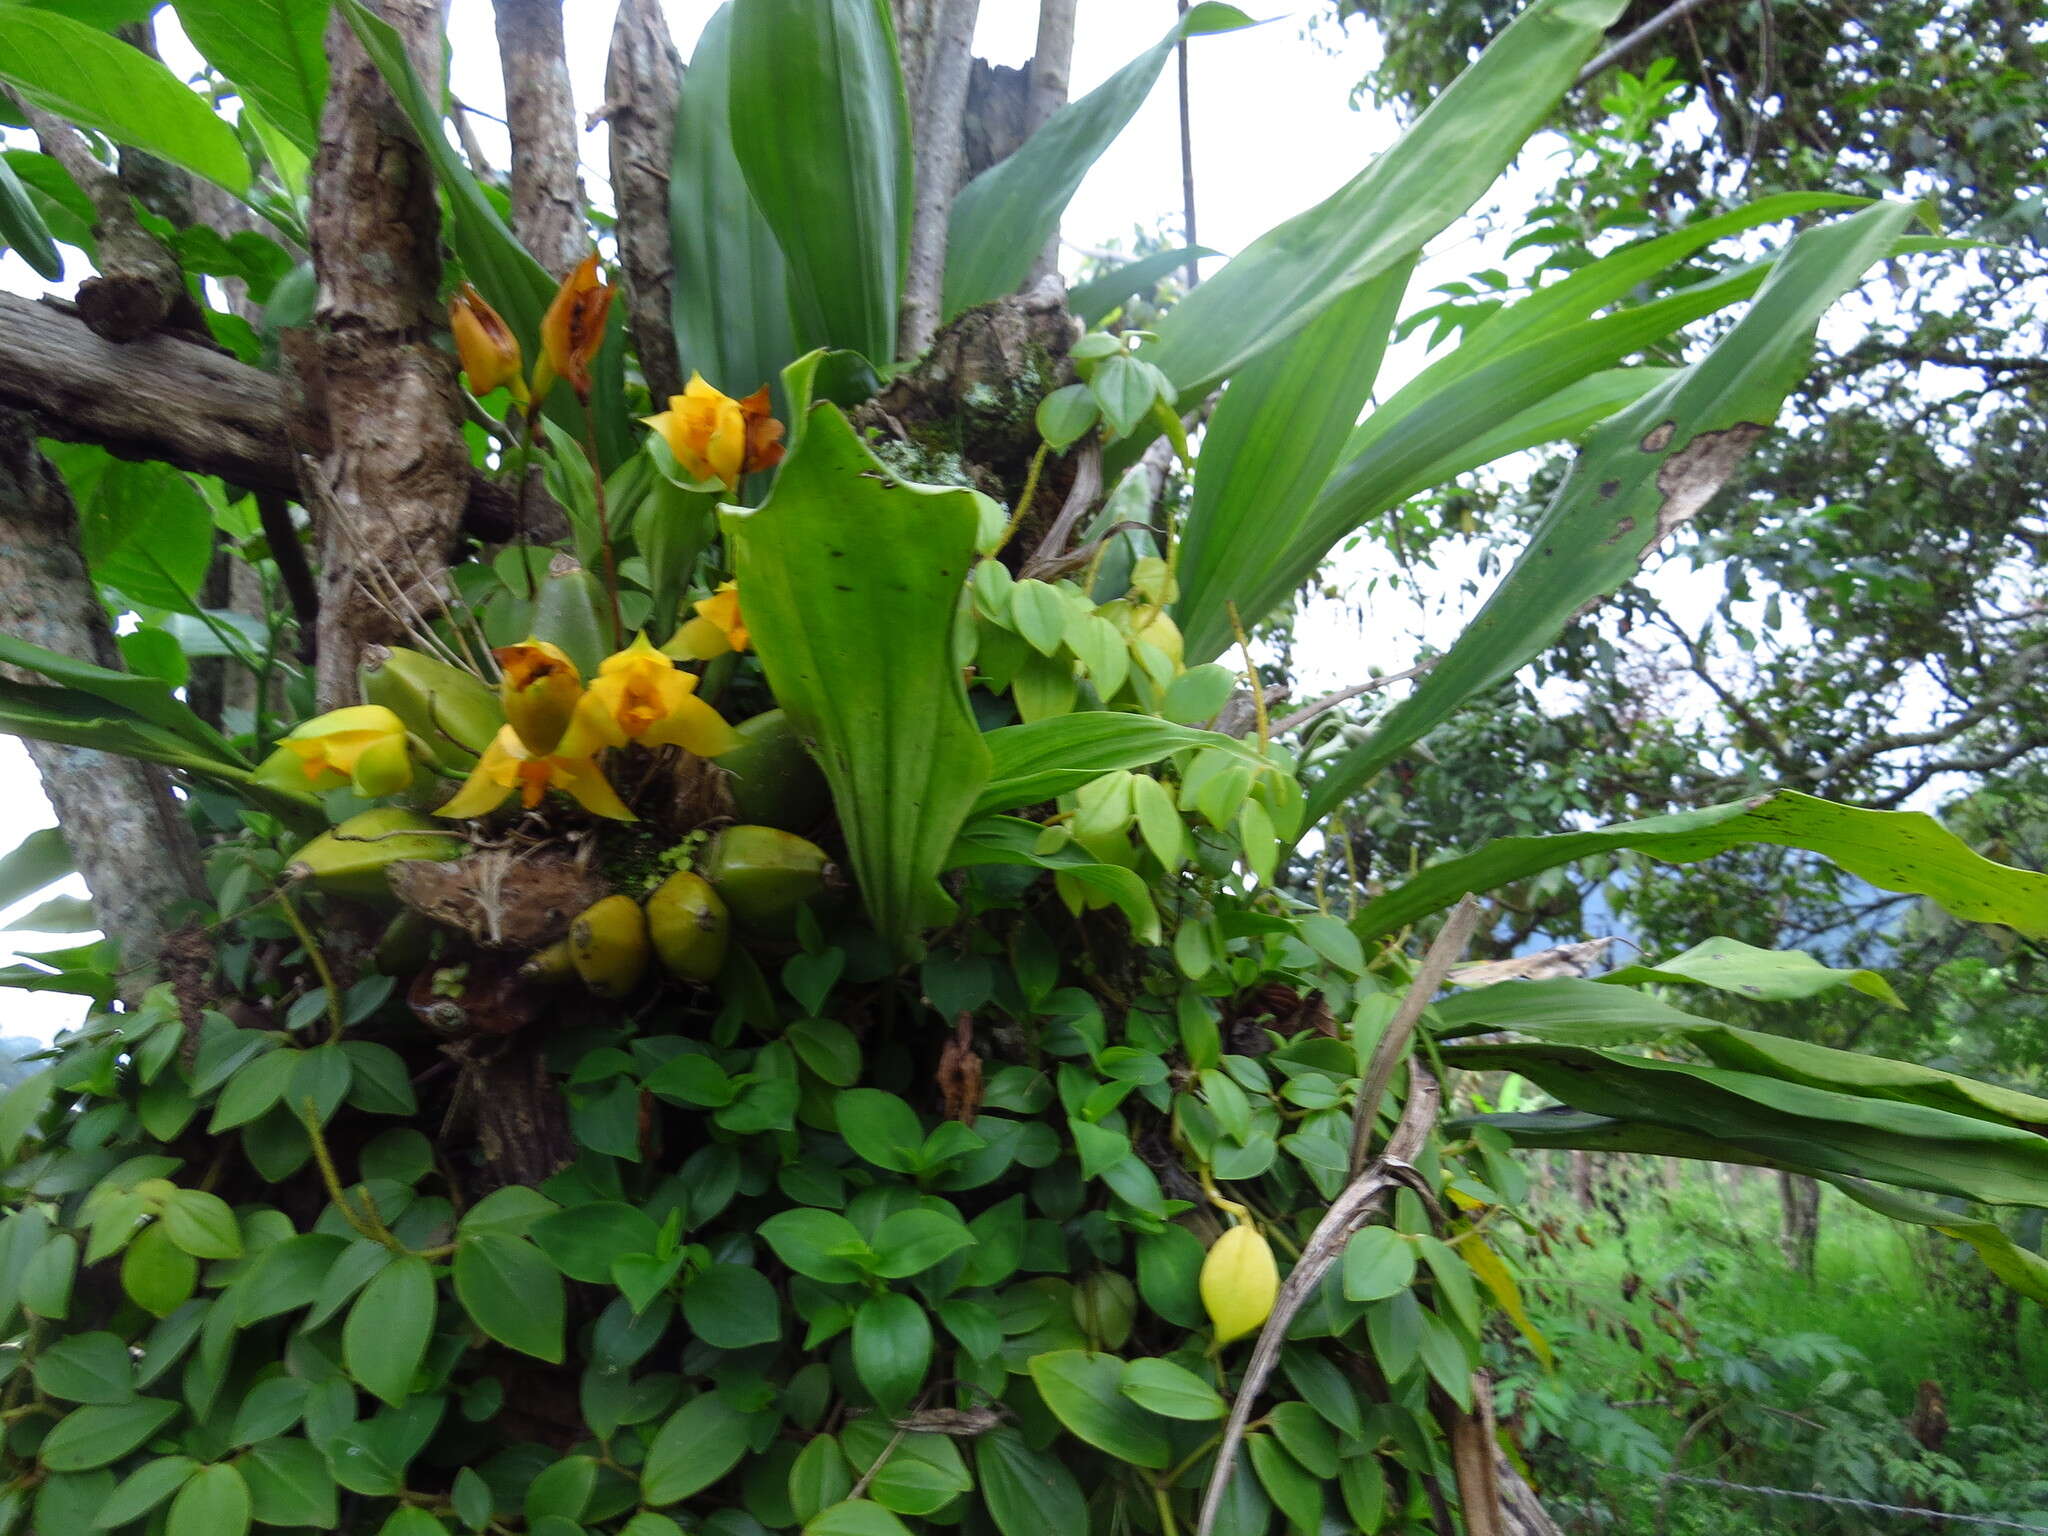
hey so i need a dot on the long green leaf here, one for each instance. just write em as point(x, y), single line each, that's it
point(1014, 841)
point(1095, 298)
point(1272, 442)
point(492, 257)
point(1563, 1011)
point(1531, 374)
point(731, 305)
point(851, 581)
point(822, 132)
point(1787, 1123)
point(100, 82)
point(2025, 1271)
point(1646, 470)
point(1003, 217)
point(1762, 975)
point(146, 698)
point(273, 52)
point(1455, 151)
point(1568, 1012)
point(1893, 850)
point(1046, 758)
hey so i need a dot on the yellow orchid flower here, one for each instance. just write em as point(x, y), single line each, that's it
point(507, 766)
point(641, 695)
point(486, 345)
point(715, 437)
point(572, 330)
point(718, 627)
point(364, 745)
point(540, 687)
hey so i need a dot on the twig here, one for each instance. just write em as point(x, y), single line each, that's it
point(336, 1023)
point(1393, 1045)
point(1641, 35)
point(1328, 702)
point(1193, 270)
point(1023, 500)
point(1252, 678)
point(1087, 484)
point(1347, 1215)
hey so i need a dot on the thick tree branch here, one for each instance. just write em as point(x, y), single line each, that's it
point(643, 78)
point(139, 288)
point(1992, 702)
point(163, 399)
point(540, 112)
point(938, 48)
point(132, 841)
point(378, 405)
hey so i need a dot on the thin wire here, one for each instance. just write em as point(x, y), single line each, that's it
point(1852, 1503)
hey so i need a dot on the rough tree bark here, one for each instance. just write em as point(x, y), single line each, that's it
point(642, 80)
point(1052, 66)
point(133, 843)
point(937, 40)
point(540, 112)
point(140, 287)
point(1799, 1199)
point(386, 470)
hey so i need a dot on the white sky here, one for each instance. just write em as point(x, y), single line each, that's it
point(1273, 134)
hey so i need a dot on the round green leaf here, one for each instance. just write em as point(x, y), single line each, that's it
point(1028, 1493)
point(702, 1441)
point(1378, 1262)
point(892, 1348)
point(202, 1224)
point(86, 1368)
point(512, 1293)
point(1065, 414)
point(158, 1276)
point(213, 1502)
point(386, 1334)
point(143, 1489)
point(816, 1243)
point(730, 1306)
point(583, 1240)
point(1170, 1389)
point(94, 1436)
point(1083, 1390)
point(855, 1517)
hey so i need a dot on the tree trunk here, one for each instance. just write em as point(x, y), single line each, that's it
point(128, 833)
point(388, 469)
point(540, 112)
point(643, 78)
point(1799, 1200)
point(1052, 66)
point(937, 38)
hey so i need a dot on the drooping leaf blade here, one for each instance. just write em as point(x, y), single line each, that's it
point(1764, 975)
point(1783, 1123)
point(851, 581)
point(1646, 470)
point(1003, 218)
point(822, 133)
point(1894, 850)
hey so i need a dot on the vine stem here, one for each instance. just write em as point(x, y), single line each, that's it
point(1024, 500)
point(604, 528)
point(1251, 672)
point(320, 966)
